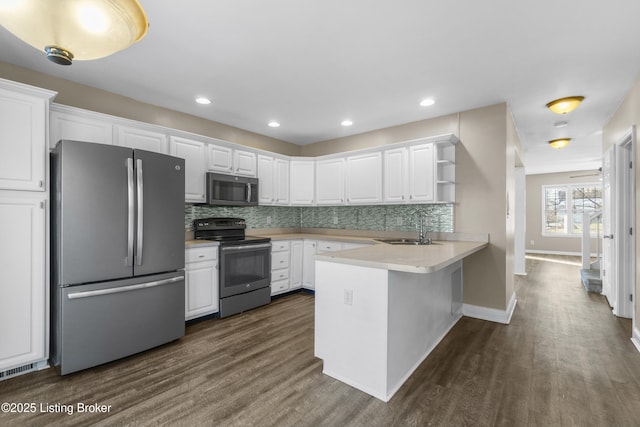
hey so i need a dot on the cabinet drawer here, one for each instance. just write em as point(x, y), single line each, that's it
point(279, 246)
point(279, 286)
point(207, 253)
point(277, 275)
point(279, 260)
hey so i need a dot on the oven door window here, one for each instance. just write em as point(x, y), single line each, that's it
point(244, 268)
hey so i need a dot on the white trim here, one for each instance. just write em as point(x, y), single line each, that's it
point(543, 251)
point(491, 314)
point(635, 338)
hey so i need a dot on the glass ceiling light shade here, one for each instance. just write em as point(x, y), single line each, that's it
point(75, 29)
point(565, 105)
point(559, 143)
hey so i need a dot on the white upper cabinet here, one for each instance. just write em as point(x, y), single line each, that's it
point(220, 159)
point(422, 173)
point(330, 181)
point(23, 136)
point(396, 175)
point(141, 139)
point(78, 127)
point(231, 162)
point(364, 178)
point(301, 188)
point(193, 153)
point(273, 176)
point(244, 163)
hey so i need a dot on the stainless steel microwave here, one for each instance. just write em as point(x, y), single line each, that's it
point(231, 190)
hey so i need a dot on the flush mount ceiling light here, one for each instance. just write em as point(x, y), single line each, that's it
point(559, 143)
point(75, 29)
point(274, 124)
point(346, 122)
point(565, 105)
point(427, 102)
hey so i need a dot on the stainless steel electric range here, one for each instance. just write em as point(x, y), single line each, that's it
point(245, 263)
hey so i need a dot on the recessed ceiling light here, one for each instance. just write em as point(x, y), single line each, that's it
point(274, 124)
point(427, 102)
point(346, 122)
point(561, 124)
point(565, 105)
point(203, 101)
point(559, 143)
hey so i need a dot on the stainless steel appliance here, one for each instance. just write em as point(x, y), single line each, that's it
point(245, 264)
point(231, 190)
point(117, 252)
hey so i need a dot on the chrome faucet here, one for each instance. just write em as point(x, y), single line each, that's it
point(422, 218)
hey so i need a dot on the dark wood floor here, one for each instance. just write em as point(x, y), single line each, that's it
point(563, 360)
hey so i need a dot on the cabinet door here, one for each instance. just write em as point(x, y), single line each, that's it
point(396, 185)
point(301, 188)
point(244, 163)
point(194, 178)
point(220, 159)
point(23, 290)
point(330, 182)
point(201, 289)
point(23, 139)
point(309, 264)
point(79, 128)
point(141, 139)
point(296, 265)
point(422, 173)
point(266, 174)
point(364, 178)
point(281, 182)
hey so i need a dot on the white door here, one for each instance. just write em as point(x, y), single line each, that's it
point(607, 272)
point(193, 153)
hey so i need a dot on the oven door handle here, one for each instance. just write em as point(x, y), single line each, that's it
point(245, 247)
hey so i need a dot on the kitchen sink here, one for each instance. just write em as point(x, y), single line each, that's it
point(405, 242)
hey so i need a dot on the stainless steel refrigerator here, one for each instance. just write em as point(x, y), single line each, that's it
point(117, 252)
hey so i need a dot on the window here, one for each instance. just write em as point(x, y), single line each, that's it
point(563, 206)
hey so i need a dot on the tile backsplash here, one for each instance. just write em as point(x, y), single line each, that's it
point(377, 217)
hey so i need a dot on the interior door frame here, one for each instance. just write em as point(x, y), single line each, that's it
point(625, 204)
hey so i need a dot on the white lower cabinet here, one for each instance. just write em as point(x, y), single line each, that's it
point(201, 281)
point(23, 308)
point(280, 262)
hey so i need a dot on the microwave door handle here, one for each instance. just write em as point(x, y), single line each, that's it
point(140, 234)
point(130, 212)
point(248, 192)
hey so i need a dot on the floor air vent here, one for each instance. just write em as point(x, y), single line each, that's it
point(16, 371)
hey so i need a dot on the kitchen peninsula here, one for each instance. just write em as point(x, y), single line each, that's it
point(381, 310)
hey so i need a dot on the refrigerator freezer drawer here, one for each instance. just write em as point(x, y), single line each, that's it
point(103, 322)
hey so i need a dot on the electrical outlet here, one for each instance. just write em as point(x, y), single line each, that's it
point(533, 243)
point(399, 220)
point(348, 297)
point(335, 219)
point(268, 220)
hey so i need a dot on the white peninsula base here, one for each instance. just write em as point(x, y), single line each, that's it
point(374, 326)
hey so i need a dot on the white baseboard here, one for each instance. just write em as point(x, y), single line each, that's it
point(635, 338)
point(491, 314)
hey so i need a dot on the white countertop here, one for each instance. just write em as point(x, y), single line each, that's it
point(407, 258)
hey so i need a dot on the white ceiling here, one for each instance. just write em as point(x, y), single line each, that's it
point(311, 64)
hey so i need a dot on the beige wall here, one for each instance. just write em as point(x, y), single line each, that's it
point(481, 187)
point(89, 98)
point(627, 115)
point(534, 212)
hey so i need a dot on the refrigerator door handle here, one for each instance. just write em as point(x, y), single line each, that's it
point(140, 235)
point(99, 292)
point(130, 212)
